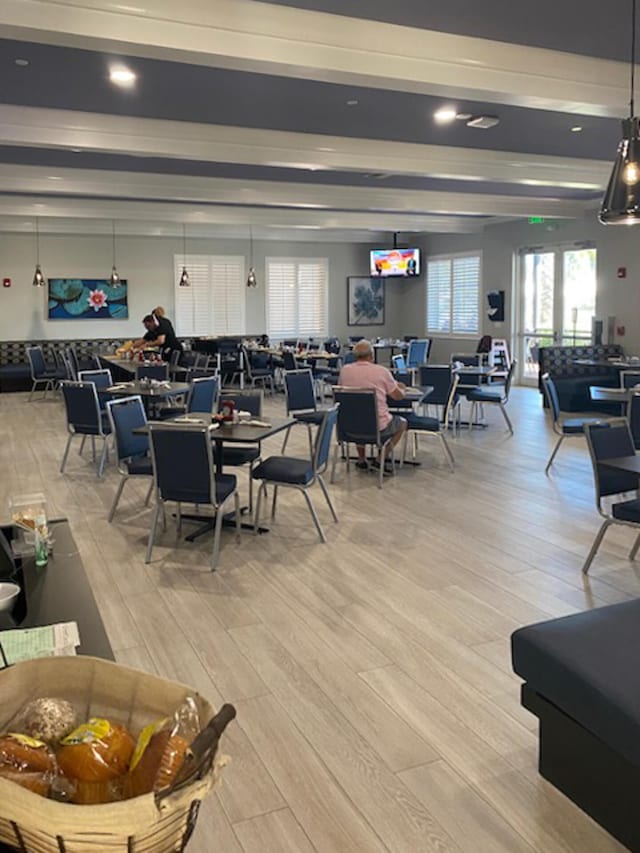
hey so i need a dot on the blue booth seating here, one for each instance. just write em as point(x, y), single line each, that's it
point(14, 365)
point(582, 681)
point(572, 380)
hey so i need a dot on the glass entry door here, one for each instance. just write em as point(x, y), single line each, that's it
point(557, 302)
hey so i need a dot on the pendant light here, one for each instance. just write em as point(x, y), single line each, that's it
point(251, 278)
point(185, 281)
point(38, 276)
point(621, 202)
point(114, 278)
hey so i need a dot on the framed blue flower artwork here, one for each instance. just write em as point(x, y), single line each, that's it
point(87, 299)
point(365, 301)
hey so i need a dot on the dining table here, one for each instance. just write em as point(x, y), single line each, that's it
point(151, 391)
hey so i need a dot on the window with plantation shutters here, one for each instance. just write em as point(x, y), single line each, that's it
point(215, 302)
point(453, 294)
point(297, 296)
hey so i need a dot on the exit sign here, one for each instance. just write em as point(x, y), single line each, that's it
point(536, 220)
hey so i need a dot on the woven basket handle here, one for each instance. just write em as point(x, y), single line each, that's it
point(200, 755)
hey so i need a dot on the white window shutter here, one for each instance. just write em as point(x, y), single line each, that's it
point(215, 302)
point(297, 297)
point(453, 294)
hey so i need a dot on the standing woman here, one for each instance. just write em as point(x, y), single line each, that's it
point(166, 333)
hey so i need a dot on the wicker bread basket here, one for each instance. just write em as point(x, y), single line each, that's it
point(145, 824)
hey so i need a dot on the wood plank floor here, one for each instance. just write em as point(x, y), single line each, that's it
point(377, 710)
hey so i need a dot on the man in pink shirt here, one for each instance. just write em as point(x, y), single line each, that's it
point(363, 373)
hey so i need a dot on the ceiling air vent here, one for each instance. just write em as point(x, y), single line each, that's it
point(483, 122)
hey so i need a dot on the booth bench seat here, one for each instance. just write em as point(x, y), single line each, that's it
point(582, 681)
point(572, 379)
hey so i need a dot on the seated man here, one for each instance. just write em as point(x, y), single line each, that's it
point(363, 373)
point(158, 335)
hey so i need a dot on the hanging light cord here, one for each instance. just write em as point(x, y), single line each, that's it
point(113, 233)
point(37, 241)
point(633, 57)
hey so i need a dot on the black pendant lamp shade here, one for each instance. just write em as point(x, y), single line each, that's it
point(184, 281)
point(252, 281)
point(621, 202)
point(38, 276)
point(114, 278)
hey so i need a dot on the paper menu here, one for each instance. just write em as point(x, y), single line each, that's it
point(50, 640)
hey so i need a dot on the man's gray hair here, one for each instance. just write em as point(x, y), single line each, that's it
point(363, 349)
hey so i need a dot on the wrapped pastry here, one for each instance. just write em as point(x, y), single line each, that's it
point(95, 757)
point(49, 719)
point(27, 762)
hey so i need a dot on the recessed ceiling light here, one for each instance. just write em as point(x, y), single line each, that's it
point(122, 76)
point(53, 178)
point(22, 62)
point(445, 115)
point(76, 150)
point(576, 129)
point(353, 102)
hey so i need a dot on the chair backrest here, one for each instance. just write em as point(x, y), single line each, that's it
point(125, 415)
point(298, 389)
point(249, 400)
point(100, 378)
point(174, 360)
point(292, 342)
point(629, 378)
point(357, 415)
point(332, 345)
point(82, 407)
point(349, 358)
point(399, 363)
point(203, 394)
point(509, 380)
point(467, 359)
point(551, 393)
point(322, 447)
point(37, 364)
point(73, 361)
point(152, 370)
point(60, 363)
point(633, 414)
point(182, 459)
point(607, 440)
point(289, 361)
point(484, 344)
point(439, 377)
point(452, 398)
point(418, 352)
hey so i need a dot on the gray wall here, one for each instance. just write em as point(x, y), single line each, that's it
point(147, 263)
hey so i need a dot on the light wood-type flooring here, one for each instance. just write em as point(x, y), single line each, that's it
point(376, 706)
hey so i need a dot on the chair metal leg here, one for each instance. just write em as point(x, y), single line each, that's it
point(273, 502)
point(66, 453)
point(112, 512)
point(472, 413)
point(314, 515)
point(553, 455)
point(286, 439)
point(103, 458)
point(634, 550)
point(236, 501)
point(216, 539)
point(325, 492)
point(447, 451)
point(256, 518)
point(332, 478)
point(506, 417)
point(82, 443)
point(152, 529)
point(310, 437)
point(179, 518)
point(149, 493)
point(34, 385)
point(606, 524)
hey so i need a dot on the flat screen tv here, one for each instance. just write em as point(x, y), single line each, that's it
point(394, 262)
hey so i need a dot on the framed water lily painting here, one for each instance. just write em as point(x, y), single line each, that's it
point(365, 301)
point(87, 299)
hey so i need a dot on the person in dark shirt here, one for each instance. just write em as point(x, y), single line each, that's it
point(160, 333)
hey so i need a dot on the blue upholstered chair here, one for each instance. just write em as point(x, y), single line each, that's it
point(41, 374)
point(158, 370)
point(237, 455)
point(608, 441)
point(101, 379)
point(300, 399)
point(84, 418)
point(563, 428)
point(301, 474)
point(418, 352)
point(358, 424)
point(497, 396)
point(420, 425)
point(184, 472)
point(132, 451)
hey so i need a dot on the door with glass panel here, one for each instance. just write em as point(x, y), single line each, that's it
point(557, 301)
